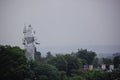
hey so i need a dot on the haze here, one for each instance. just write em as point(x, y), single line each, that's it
point(61, 22)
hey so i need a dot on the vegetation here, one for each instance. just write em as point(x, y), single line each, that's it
point(12, 63)
point(116, 61)
point(14, 66)
point(86, 56)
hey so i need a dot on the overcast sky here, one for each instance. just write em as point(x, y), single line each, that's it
point(61, 22)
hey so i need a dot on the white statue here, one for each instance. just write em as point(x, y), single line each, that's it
point(29, 42)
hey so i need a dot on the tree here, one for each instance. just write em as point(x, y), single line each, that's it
point(86, 56)
point(43, 71)
point(38, 56)
point(65, 63)
point(107, 61)
point(49, 55)
point(12, 63)
point(72, 63)
point(59, 62)
point(116, 61)
point(95, 62)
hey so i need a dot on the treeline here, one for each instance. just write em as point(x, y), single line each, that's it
point(15, 66)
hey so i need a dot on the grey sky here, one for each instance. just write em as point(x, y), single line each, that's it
point(61, 22)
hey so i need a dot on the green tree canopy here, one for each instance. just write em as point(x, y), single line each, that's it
point(86, 56)
point(43, 71)
point(12, 63)
point(49, 55)
point(59, 62)
point(107, 61)
point(72, 63)
point(65, 63)
point(116, 61)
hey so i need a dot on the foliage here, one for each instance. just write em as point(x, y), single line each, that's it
point(65, 63)
point(77, 78)
point(114, 75)
point(95, 75)
point(59, 62)
point(72, 63)
point(95, 62)
point(107, 61)
point(63, 75)
point(14, 66)
point(12, 63)
point(37, 56)
point(44, 71)
point(86, 56)
point(49, 55)
point(116, 61)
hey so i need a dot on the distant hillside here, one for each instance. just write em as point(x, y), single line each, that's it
point(105, 51)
